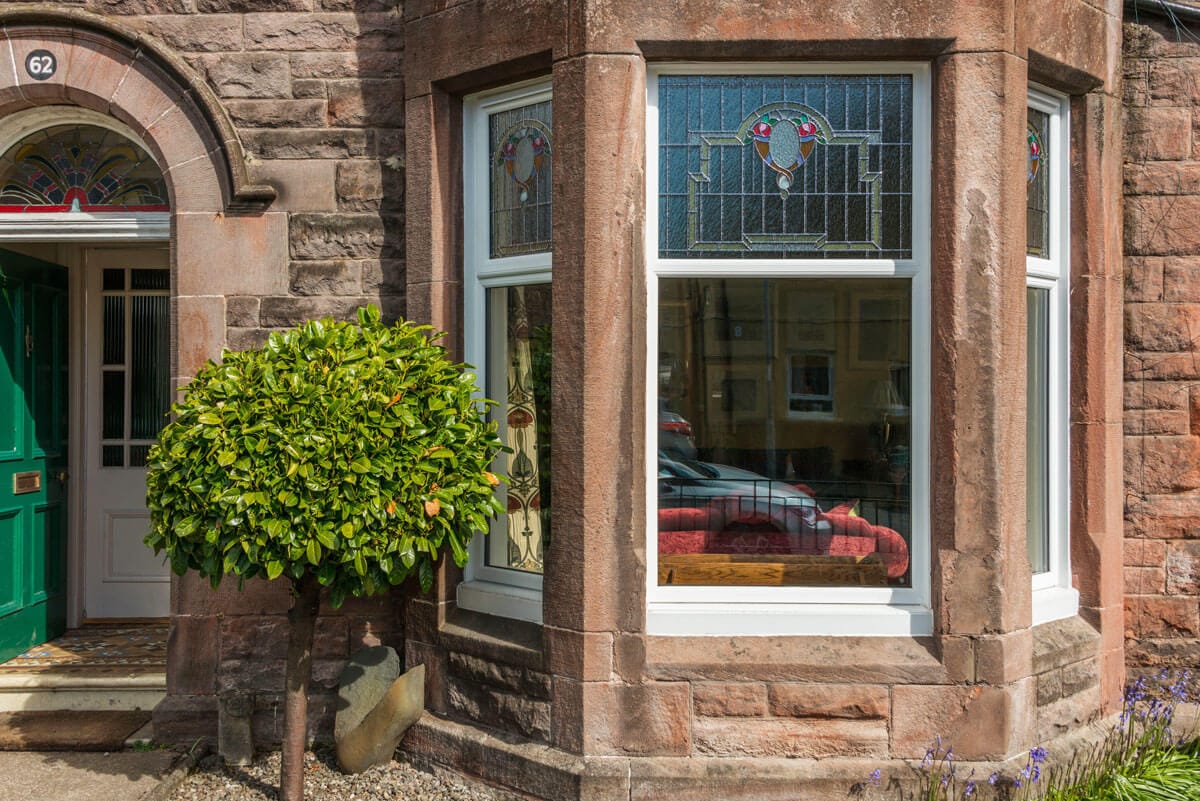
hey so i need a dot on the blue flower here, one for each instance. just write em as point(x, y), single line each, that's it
point(1038, 755)
point(969, 790)
point(995, 777)
point(875, 777)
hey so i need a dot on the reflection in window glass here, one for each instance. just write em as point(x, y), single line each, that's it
point(784, 431)
point(519, 374)
point(1037, 431)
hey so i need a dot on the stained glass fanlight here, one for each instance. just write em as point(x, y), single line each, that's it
point(79, 168)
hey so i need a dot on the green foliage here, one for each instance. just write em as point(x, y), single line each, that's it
point(356, 453)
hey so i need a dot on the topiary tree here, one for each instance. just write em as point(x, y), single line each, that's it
point(337, 456)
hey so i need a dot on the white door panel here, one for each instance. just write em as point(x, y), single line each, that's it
point(126, 357)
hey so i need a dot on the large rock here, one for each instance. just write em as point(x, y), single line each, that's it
point(364, 682)
point(376, 706)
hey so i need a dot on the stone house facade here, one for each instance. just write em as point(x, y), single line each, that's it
point(939, 349)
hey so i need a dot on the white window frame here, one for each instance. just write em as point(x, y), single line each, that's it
point(777, 611)
point(1053, 596)
point(492, 590)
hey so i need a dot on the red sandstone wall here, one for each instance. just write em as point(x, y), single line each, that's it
point(1162, 345)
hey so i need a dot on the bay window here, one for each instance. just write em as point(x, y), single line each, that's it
point(788, 378)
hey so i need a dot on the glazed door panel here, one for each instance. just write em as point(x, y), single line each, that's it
point(127, 364)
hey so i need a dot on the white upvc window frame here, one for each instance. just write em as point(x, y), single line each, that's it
point(782, 611)
point(493, 590)
point(1053, 596)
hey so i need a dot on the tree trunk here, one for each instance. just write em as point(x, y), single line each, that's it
point(302, 619)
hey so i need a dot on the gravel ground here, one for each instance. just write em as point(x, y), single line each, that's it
point(214, 781)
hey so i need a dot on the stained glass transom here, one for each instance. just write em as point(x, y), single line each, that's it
point(1037, 205)
point(520, 146)
point(79, 168)
point(785, 166)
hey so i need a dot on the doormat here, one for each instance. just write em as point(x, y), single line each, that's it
point(68, 731)
point(94, 647)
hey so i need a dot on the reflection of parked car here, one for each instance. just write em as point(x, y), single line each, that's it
point(674, 434)
point(689, 483)
point(712, 508)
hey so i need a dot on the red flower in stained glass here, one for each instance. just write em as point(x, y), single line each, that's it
point(519, 418)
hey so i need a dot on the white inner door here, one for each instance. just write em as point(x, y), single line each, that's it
point(127, 394)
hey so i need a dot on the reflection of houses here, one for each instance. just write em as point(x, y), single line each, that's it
point(874, 254)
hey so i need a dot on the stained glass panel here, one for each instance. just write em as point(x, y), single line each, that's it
point(79, 168)
point(785, 166)
point(1037, 206)
point(520, 152)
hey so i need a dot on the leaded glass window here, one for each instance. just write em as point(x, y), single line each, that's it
point(521, 195)
point(1037, 193)
point(785, 166)
point(82, 168)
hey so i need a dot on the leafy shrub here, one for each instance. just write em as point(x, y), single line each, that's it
point(355, 452)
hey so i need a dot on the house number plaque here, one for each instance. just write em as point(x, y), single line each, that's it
point(41, 64)
point(24, 483)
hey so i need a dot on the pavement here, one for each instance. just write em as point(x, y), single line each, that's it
point(86, 776)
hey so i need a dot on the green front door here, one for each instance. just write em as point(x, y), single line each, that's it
point(33, 452)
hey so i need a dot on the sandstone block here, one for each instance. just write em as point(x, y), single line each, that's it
point(364, 185)
point(729, 699)
point(320, 143)
point(247, 338)
point(1158, 134)
point(309, 88)
point(1157, 225)
point(1162, 326)
point(235, 742)
point(337, 65)
point(1144, 278)
point(340, 277)
point(241, 311)
point(277, 113)
point(1049, 687)
point(1183, 568)
point(1144, 580)
point(137, 6)
point(301, 185)
point(285, 312)
point(324, 31)
point(500, 709)
point(1181, 279)
point(250, 6)
point(387, 276)
point(1152, 616)
point(366, 102)
point(653, 718)
point(791, 738)
point(241, 75)
point(848, 701)
point(1080, 676)
point(982, 722)
point(193, 647)
point(1158, 421)
point(330, 236)
point(1155, 395)
point(192, 33)
point(1162, 464)
point(515, 678)
point(1145, 553)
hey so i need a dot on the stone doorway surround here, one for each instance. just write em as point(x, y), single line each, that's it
point(225, 241)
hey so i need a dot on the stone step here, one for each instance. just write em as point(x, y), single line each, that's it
point(141, 690)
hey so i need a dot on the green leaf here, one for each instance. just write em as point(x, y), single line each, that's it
point(274, 569)
point(425, 575)
point(226, 458)
point(313, 551)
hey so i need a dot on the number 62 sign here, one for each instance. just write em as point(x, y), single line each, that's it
point(41, 64)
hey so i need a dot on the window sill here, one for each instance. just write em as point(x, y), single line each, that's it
point(778, 620)
point(1054, 603)
point(501, 600)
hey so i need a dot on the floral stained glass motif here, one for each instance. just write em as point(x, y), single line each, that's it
point(526, 428)
point(785, 166)
point(520, 208)
point(79, 168)
point(1037, 205)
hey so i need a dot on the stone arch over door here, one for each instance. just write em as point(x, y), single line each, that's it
point(224, 239)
